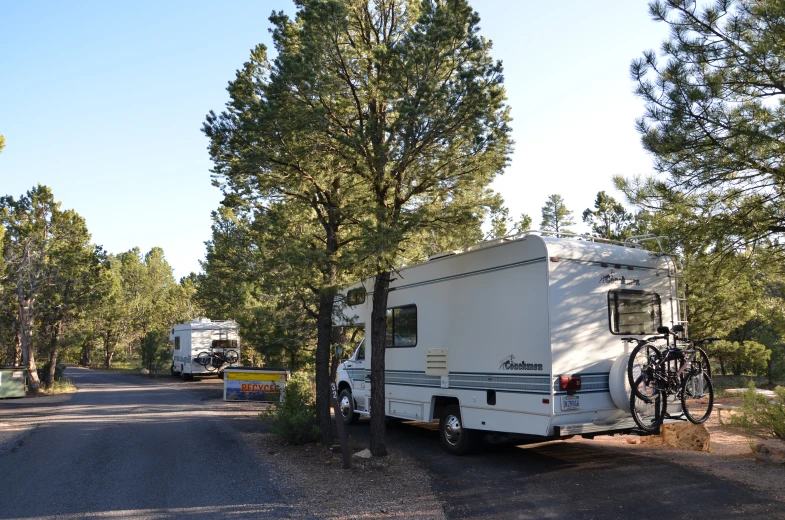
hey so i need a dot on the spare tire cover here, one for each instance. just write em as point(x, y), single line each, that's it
point(618, 383)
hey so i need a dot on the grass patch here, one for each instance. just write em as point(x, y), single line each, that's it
point(722, 383)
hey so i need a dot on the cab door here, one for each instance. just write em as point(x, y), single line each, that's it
point(356, 370)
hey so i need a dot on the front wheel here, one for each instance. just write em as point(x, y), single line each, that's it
point(346, 405)
point(648, 413)
point(697, 397)
point(455, 438)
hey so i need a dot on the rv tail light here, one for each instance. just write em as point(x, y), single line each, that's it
point(570, 383)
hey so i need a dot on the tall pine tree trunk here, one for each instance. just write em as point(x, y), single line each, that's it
point(26, 332)
point(324, 328)
point(54, 348)
point(381, 286)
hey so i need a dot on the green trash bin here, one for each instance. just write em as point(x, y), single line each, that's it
point(12, 382)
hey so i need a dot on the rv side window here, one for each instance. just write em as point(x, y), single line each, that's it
point(177, 342)
point(224, 343)
point(634, 312)
point(355, 296)
point(401, 327)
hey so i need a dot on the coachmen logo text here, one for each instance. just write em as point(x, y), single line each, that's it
point(509, 363)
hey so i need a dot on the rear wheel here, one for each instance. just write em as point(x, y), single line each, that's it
point(648, 414)
point(455, 438)
point(231, 356)
point(697, 397)
point(641, 370)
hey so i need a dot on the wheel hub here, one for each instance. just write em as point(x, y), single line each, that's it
point(345, 406)
point(452, 430)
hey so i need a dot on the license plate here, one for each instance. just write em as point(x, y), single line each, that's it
point(570, 402)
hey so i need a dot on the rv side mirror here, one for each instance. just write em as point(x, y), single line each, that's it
point(663, 329)
point(678, 328)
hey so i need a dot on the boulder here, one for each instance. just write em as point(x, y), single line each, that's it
point(364, 454)
point(686, 435)
point(683, 435)
point(770, 450)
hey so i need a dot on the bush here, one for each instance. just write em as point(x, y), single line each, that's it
point(43, 372)
point(155, 352)
point(294, 420)
point(759, 415)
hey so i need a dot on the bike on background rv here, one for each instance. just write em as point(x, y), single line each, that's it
point(517, 336)
point(204, 347)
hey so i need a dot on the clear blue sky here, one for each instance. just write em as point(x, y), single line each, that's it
point(104, 102)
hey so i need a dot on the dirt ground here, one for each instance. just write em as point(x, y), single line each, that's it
point(730, 455)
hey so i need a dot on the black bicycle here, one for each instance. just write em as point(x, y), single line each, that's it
point(214, 360)
point(656, 375)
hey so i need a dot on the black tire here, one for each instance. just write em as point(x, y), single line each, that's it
point(231, 356)
point(641, 369)
point(697, 396)
point(456, 439)
point(346, 405)
point(702, 361)
point(648, 414)
point(204, 359)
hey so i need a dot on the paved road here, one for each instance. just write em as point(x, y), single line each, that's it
point(569, 480)
point(124, 448)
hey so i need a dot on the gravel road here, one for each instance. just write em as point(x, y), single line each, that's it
point(123, 447)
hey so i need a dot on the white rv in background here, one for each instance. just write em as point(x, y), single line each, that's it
point(214, 340)
point(520, 335)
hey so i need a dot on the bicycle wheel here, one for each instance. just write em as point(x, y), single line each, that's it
point(641, 370)
point(648, 415)
point(702, 361)
point(204, 359)
point(231, 356)
point(697, 396)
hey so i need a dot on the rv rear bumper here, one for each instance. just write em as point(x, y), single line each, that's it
point(625, 425)
point(620, 426)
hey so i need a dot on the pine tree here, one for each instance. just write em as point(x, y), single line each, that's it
point(555, 215)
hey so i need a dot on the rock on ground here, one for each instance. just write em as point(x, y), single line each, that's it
point(681, 435)
point(770, 450)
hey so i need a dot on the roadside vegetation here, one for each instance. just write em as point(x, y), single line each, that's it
point(64, 299)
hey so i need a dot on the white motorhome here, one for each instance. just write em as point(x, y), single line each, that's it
point(520, 335)
point(204, 347)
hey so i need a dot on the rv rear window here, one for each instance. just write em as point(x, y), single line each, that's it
point(634, 312)
point(224, 343)
point(401, 326)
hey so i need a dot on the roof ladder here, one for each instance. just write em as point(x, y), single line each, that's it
point(677, 282)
